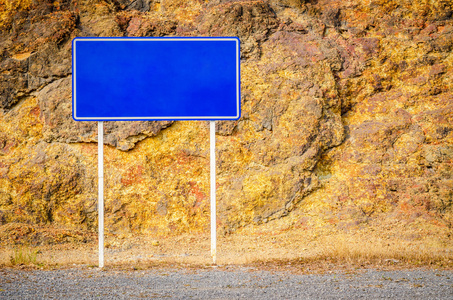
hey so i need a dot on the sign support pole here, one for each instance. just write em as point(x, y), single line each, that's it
point(101, 192)
point(213, 192)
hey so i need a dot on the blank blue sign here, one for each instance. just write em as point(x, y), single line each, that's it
point(118, 79)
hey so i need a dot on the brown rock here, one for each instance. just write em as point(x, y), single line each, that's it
point(251, 21)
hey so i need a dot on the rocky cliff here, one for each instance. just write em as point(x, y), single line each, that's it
point(347, 119)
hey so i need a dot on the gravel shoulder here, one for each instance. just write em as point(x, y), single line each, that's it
point(223, 283)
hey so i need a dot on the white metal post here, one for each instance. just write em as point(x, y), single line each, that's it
point(101, 192)
point(213, 192)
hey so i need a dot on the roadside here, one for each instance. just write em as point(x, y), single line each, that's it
point(297, 251)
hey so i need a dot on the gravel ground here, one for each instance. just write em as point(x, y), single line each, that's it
point(233, 283)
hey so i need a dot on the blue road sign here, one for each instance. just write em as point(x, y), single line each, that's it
point(118, 79)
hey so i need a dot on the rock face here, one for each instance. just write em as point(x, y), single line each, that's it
point(347, 118)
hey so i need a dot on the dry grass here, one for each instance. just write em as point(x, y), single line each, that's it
point(372, 250)
point(22, 256)
point(297, 250)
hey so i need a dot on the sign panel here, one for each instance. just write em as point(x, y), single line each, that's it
point(119, 79)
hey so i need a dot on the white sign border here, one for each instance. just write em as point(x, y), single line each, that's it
point(150, 118)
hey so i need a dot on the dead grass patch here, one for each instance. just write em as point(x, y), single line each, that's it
point(362, 251)
point(296, 250)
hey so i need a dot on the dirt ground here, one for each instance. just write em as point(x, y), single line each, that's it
point(298, 250)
